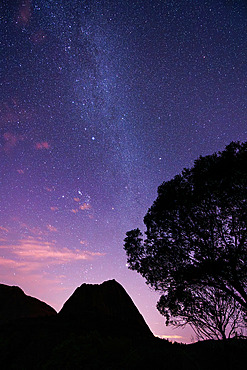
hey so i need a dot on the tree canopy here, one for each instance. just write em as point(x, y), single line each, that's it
point(196, 233)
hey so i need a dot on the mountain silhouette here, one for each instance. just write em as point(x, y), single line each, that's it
point(99, 327)
point(106, 307)
point(15, 304)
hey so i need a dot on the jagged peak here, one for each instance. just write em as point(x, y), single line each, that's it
point(103, 303)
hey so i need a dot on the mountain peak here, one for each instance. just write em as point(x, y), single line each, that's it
point(105, 306)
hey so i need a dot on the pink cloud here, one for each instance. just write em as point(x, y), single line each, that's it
point(32, 230)
point(10, 263)
point(21, 172)
point(42, 145)
point(51, 228)
point(24, 13)
point(84, 242)
point(54, 209)
point(10, 138)
point(4, 229)
point(32, 254)
point(85, 206)
point(35, 265)
point(50, 189)
point(10, 141)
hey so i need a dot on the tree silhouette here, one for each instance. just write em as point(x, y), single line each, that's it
point(196, 237)
point(211, 313)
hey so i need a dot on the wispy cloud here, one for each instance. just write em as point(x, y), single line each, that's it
point(54, 209)
point(42, 145)
point(84, 242)
point(49, 189)
point(4, 229)
point(34, 230)
point(81, 207)
point(10, 141)
point(24, 13)
point(10, 263)
point(85, 207)
point(37, 231)
point(32, 254)
point(21, 172)
point(51, 228)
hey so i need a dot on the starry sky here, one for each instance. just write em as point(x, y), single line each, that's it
point(102, 101)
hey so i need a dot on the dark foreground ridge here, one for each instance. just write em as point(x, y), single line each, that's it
point(15, 304)
point(99, 327)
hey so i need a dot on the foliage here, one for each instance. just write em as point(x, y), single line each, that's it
point(196, 235)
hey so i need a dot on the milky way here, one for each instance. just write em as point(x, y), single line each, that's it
point(101, 101)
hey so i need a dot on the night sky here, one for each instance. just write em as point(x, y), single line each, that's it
point(102, 101)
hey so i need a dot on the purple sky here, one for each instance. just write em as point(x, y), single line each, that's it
point(102, 101)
